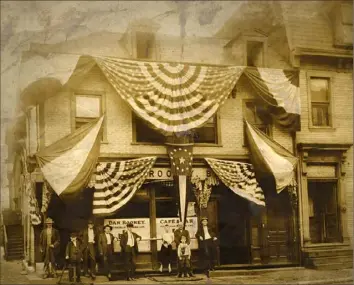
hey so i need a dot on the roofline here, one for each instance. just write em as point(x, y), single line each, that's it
point(299, 51)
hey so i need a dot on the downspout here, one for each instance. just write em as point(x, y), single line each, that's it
point(297, 230)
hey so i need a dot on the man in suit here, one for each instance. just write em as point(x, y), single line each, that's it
point(73, 255)
point(49, 242)
point(129, 246)
point(105, 248)
point(207, 241)
point(89, 239)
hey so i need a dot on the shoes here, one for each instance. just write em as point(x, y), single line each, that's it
point(132, 278)
point(129, 279)
point(78, 280)
point(45, 276)
point(179, 275)
point(191, 274)
point(93, 277)
point(208, 274)
point(169, 268)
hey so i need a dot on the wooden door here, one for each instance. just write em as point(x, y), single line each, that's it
point(276, 230)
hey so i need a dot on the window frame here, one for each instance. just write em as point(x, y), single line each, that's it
point(89, 93)
point(217, 133)
point(269, 126)
point(324, 75)
point(262, 40)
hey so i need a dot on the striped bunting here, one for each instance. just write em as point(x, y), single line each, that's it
point(47, 192)
point(172, 97)
point(239, 177)
point(278, 90)
point(117, 182)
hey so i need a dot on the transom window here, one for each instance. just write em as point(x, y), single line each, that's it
point(320, 101)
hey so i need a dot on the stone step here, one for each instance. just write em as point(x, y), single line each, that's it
point(332, 252)
point(248, 272)
point(334, 266)
point(333, 259)
point(36, 278)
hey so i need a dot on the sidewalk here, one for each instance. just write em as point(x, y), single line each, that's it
point(11, 274)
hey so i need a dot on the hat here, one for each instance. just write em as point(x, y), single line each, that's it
point(130, 225)
point(73, 235)
point(49, 221)
point(107, 226)
point(203, 218)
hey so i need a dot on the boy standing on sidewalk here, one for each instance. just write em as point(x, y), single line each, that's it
point(74, 257)
point(184, 258)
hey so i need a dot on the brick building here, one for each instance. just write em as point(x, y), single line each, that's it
point(314, 38)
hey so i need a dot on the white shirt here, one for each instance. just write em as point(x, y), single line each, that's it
point(108, 237)
point(168, 237)
point(91, 236)
point(74, 242)
point(206, 232)
point(130, 239)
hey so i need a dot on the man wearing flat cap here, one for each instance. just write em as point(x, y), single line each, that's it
point(105, 248)
point(207, 241)
point(89, 240)
point(73, 255)
point(49, 241)
point(129, 246)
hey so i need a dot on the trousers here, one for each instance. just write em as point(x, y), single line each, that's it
point(89, 255)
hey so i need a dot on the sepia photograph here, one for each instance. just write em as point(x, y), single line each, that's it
point(176, 142)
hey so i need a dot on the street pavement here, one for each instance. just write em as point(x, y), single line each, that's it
point(11, 274)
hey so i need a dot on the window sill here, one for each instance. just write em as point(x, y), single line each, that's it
point(326, 244)
point(320, 129)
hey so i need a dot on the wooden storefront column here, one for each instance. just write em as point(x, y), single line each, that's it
point(152, 206)
point(305, 201)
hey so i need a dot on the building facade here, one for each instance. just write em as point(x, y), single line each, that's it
point(313, 229)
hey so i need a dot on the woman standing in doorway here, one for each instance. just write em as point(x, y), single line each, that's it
point(166, 248)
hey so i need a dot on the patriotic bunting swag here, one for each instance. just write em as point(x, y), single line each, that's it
point(117, 182)
point(239, 177)
point(172, 97)
point(270, 159)
point(67, 164)
point(181, 168)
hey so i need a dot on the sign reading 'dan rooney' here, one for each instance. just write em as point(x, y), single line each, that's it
point(141, 227)
point(191, 226)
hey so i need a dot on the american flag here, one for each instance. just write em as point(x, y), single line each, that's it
point(239, 177)
point(181, 159)
point(181, 167)
point(117, 182)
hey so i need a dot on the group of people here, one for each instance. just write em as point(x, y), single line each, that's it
point(82, 249)
point(181, 237)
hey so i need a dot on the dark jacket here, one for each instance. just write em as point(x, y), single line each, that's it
point(179, 233)
point(74, 252)
point(124, 241)
point(200, 233)
point(84, 237)
point(102, 243)
point(55, 240)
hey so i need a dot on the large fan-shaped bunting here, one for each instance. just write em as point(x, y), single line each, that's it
point(173, 97)
point(239, 177)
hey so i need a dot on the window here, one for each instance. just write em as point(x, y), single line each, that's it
point(320, 101)
point(323, 212)
point(256, 115)
point(145, 45)
point(144, 133)
point(255, 53)
point(87, 108)
point(207, 133)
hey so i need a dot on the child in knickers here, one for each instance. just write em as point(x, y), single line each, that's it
point(184, 258)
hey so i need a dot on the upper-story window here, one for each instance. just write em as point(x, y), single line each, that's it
point(319, 88)
point(143, 133)
point(88, 107)
point(255, 53)
point(258, 117)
